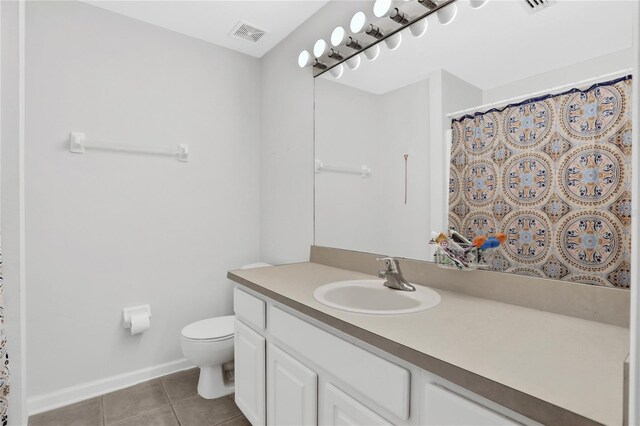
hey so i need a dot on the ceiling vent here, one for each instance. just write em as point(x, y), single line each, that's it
point(533, 6)
point(247, 32)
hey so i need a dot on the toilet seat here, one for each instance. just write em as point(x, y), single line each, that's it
point(210, 329)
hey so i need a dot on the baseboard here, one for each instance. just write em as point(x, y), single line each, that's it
point(66, 396)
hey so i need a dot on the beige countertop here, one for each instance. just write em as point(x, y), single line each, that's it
point(550, 367)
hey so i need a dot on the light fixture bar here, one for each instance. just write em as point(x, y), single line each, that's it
point(399, 17)
point(320, 65)
point(374, 32)
point(359, 46)
point(354, 44)
point(334, 54)
point(429, 4)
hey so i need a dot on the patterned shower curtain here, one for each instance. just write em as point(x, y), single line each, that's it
point(554, 174)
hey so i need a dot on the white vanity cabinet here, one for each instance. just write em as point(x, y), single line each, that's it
point(292, 370)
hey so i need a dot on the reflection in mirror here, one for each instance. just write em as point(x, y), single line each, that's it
point(501, 121)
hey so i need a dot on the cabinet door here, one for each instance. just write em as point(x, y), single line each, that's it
point(442, 407)
point(339, 409)
point(292, 390)
point(250, 364)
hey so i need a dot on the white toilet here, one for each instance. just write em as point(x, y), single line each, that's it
point(209, 345)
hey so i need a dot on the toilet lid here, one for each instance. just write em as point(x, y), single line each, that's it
point(210, 329)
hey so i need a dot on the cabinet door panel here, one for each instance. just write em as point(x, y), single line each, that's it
point(292, 390)
point(250, 364)
point(339, 409)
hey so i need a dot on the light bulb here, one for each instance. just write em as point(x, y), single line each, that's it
point(358, 21)
point(477, 4)
point(372, 52)
point(447, 14)
point(419, 28)
point(353, 62)
point(381, 8)
point(337, 36)
point(304, 59)
point(319, 48)
point(337, 71)
point(393, 41)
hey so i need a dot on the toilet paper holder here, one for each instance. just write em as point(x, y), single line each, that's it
point(128, 312)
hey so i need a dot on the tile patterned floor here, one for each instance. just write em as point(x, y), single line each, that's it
point(168, 401)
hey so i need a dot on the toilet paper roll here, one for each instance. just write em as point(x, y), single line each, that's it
point(140, 321)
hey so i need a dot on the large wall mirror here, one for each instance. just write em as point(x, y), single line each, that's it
point(502, 121)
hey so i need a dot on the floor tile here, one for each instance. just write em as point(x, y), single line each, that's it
point(138, 399)
point(161, 417)
point(84, 413)
point(237, 421)
point(197, 411)
point(181, 385)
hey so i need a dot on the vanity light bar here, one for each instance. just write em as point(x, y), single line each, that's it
point(371, 35)
point(399, 17)
point(375, 32)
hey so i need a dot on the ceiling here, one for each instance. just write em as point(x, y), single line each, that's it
point(498, 43)
point(213, 20)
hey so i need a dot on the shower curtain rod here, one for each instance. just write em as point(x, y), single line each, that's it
point(620, 73)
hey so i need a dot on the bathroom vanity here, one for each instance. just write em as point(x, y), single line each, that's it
point(468, 360)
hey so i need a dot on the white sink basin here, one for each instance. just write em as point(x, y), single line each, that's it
point(372, 297)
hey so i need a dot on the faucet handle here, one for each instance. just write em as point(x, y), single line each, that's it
point(391, 262)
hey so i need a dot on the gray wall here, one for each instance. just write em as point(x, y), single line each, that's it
point(106, 230)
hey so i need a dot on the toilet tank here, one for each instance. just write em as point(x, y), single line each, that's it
point(255, 265)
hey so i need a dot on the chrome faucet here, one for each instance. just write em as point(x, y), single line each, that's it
point(393, 275)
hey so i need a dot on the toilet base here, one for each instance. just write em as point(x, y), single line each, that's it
point(211, 384)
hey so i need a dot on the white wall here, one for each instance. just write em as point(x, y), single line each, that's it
point(106, 230)
point(12, 195)
point(354, 128)
point(349, 209)
point(405, 130)
point(585, 70)
point(286, 145)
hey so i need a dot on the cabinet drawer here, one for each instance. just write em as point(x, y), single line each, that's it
point(443, 407)
point(249, 308)
point(384, 383)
